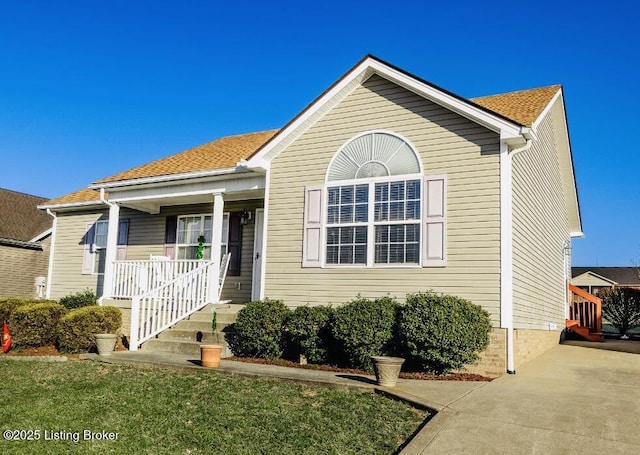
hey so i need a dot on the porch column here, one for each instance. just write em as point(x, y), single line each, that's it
point(111, 250)
point(216, 246)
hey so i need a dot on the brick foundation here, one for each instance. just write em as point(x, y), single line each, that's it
point(528, 344)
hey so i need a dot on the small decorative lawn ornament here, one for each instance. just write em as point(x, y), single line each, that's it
point(6, 338)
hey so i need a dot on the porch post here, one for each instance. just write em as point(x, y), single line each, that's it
point(216, 246)
point(111, 251)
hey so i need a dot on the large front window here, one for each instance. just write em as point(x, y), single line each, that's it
point(191, 227)
point(374, 202)
point(376, 222)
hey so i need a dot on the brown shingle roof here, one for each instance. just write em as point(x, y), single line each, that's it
point(83, 195)
point(523, 107)
point(19, 217)
point(219, 154)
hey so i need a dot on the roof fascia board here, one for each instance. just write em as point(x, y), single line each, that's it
point(167, 178)
point(362, 71)
point(567, 167)
point(545, 111)
point(42, 235)
point(151, 193)
point(71, 206)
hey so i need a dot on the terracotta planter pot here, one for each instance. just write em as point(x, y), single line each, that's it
point(210, 355)
point(387, 369)
point(106, 342)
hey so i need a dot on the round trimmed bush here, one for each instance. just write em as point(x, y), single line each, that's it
point(36, 325)
point(9, 305)
point(440, 333)
point(79, 300)
point(308, 332)
point(78, 327)
point(259, 330)
point(363, 328)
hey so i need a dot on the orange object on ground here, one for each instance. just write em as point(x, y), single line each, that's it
point(6, 338)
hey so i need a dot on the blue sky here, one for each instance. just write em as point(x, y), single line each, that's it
point(88, 89)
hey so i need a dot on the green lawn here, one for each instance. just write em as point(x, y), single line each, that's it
point(159, 411)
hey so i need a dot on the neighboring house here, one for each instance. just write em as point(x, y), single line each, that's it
point(592, 279)
point(25, 236)
point(385, 184)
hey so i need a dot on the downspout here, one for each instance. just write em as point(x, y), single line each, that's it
point(51, 249)
point(508, 304)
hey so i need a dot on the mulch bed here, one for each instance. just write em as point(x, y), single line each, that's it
point(403, 375)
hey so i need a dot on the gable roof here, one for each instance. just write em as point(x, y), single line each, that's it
point(20, 219)
point(510, 113)
point(619, 275)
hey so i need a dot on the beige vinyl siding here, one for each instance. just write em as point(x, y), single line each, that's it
point(448, 144)
point(540, 229)
point(146, 238)
point(19, 268)
point(66, 276)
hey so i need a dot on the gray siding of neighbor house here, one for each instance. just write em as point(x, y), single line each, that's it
point(146, 237)
point(447, 144)
point(540, 229)
point(19, 268)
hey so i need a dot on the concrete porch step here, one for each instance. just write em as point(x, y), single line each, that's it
point(187, 335)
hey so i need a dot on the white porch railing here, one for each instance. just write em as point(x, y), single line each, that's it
point(162, 307)
point(131, 278)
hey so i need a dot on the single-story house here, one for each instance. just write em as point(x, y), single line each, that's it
point(25, 237)
point(384, 184)
point(592, 279)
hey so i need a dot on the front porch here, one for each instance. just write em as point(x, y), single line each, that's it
point(169, 250)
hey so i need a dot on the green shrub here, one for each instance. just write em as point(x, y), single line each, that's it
point(259, 330)
point(621, 307)
point(36, 325)
point(79, 300)
point(308, 333)
point(440, 333)
point(363, 328)
point(78, 327)
point(9, 305)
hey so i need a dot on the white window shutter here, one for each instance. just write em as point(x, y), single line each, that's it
point(312, 246)
point(87, 258)
point(123, 239)
point(434, 220)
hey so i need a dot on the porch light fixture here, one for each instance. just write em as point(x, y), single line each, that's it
point(245, 217)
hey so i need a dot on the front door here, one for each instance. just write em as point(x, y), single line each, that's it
point(257, 255)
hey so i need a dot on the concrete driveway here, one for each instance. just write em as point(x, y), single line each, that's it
point(569, 400)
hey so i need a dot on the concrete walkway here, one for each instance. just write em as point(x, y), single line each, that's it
point(571, 399)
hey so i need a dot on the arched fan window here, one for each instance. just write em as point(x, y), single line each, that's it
point(376, 154)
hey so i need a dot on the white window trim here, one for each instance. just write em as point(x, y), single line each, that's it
point(94, 246)
point(224, 243)
point(371, 224)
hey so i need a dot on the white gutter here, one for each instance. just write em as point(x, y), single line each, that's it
point(167, 178)
point(506, 257)
point(51, 250)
